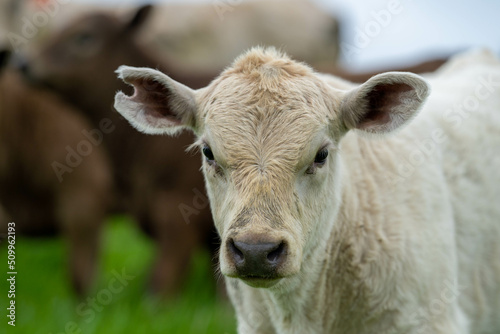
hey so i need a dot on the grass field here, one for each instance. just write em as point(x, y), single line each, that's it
point(45, 303)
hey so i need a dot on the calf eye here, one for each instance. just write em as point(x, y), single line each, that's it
point(321, 156)
point(319, 161)
point(207, 152)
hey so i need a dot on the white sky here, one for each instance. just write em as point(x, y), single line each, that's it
point(418, 30)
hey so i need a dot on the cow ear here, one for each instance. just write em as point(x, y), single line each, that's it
point(138, 18)
point(159, 105)
point(4, 58)
point(384, 103)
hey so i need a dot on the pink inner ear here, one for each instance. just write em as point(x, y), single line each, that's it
point(382, 100)
point(155, 98)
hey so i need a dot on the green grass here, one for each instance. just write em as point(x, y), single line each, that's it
point(45, 303)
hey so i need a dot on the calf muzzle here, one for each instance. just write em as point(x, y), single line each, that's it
point(257, 259)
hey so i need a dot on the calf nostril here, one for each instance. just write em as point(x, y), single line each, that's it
point(275, 254)
point(237, 253)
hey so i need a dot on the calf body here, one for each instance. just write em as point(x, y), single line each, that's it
point(395, 234)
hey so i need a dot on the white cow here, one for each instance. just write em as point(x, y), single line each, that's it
point(196, 36)
point(328, 224)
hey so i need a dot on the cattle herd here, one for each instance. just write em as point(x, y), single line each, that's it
point(335, 202)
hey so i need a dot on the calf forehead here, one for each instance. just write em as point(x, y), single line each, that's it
point(258, 125)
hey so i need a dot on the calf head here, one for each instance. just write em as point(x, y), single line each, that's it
point(269, 129)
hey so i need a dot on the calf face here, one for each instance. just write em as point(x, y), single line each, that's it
point(270, 131)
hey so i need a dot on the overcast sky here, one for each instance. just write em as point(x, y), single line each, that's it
point(414, 30)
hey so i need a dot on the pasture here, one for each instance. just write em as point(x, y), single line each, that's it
point(45, 303)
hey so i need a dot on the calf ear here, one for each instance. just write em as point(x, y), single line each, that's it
point(384, 103)
point(159, 105)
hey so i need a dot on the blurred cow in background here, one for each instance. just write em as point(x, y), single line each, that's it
point(424, 67)
point(39, 135)
point(156, 181)
point(204, 37)
point(207, 36)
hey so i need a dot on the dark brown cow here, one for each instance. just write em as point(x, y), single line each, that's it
point(157, 182)
point(38, 132)
point(424, 67)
